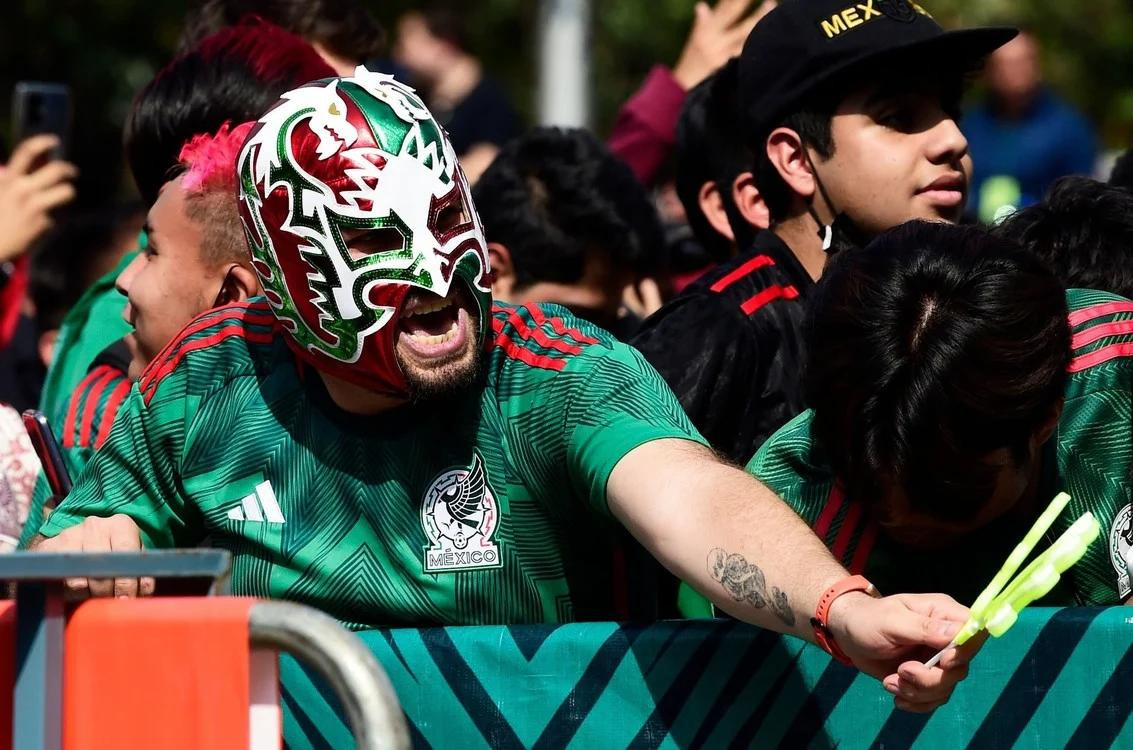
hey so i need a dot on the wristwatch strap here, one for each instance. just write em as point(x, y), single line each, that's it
point(820, 622)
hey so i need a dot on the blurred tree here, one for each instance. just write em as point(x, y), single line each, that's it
point(107, 49)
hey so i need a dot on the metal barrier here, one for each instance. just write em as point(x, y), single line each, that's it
point(344, 661)
point(109, 638)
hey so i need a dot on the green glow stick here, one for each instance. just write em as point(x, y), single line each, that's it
point(1033, 579)
point(1040, 576)
point(1019, 555)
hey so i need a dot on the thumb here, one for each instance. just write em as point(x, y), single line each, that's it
point(909, 628)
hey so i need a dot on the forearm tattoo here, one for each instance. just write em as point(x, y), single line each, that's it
point(745, 582)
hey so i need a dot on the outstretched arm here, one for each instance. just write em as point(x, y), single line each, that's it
point(730, 537)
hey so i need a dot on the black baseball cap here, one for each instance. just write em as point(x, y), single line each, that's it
point(803, 45)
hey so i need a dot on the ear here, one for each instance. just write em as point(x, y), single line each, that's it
point(749, 201)
point(46, 346)
point(239, 283)
point(788, 155)
point(712, 206)
point(1049, 425)
point(503, 272)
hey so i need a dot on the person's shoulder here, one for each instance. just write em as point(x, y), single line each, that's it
point(89, 410)
point(1101, 326)
point(787, 464)
point(220, 344)
point(787, 449)
point(542, 340)
point(728, 300)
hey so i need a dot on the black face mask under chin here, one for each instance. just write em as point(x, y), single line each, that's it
point(842, 233)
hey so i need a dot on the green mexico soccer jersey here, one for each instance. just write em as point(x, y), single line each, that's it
point(1088, 457)
point(486, 507)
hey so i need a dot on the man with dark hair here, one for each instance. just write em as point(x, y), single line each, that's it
point(194, 259)
point(566, 223)
point(1083, 231)
point(954, 389)
point(342, 32)
point(232, 76)
point(851, 117)
point(375, 438)
point(433, 46)
point(714, 180)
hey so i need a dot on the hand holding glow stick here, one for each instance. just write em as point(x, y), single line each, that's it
point(996, 612)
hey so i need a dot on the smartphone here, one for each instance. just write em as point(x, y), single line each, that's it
point(39, 107)
point(47, 448)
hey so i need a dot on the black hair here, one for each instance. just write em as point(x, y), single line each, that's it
point(445, 20)
point(343, 27)
point(234, 75)
point(710, 147)
point(1122, 174)
point(1083, 231)
point(928, 349)
point(67, 260)
point(554, 194)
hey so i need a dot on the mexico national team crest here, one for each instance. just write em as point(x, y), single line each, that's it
point(460, 515)
point(1121, 548)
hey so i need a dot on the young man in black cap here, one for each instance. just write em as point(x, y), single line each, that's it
point(851, 111)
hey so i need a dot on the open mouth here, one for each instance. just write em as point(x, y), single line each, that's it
point(432, 326)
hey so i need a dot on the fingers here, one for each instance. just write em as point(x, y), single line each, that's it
point(29, 152)
point(919, 688)
point(115, 534)
point(650, 296)
point(962, 655)
point(51, 174)
point(727, 13)
point(937, 606)
point(54, 197)
point(925, 619)
point(124, 537)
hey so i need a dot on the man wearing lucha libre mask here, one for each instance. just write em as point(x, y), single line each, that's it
point(374, 438)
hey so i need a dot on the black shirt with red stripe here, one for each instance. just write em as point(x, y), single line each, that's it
point(730, 346)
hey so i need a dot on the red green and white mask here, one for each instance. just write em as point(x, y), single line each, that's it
point(342, 157)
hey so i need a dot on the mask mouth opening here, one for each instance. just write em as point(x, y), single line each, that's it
point(430, 319)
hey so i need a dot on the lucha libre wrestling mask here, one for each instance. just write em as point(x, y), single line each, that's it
point(346, 157)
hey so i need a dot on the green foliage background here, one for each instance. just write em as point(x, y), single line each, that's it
point(107, 49)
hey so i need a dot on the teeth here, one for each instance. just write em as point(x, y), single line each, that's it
point(430, 340)
point(424, 308)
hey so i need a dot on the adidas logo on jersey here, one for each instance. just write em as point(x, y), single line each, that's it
point(260, 506)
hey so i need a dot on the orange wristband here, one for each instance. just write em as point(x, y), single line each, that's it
point(819, 622)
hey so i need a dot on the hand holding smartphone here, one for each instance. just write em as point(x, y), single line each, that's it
point(40, 108)
point(50, 455)
point(36, 180)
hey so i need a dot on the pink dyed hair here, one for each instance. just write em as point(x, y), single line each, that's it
point(210, 160)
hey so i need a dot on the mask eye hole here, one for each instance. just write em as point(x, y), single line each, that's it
point(365, 242)
point(450, 217)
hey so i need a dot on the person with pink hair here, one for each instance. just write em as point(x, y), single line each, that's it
point(232, 75)
point(194, 259)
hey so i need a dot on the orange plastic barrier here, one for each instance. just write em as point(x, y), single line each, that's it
point(171, 673)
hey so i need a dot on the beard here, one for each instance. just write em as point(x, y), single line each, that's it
point(447, 378)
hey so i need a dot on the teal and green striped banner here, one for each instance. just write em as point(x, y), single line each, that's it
point(1059, 678)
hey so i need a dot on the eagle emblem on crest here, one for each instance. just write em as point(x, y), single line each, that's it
point(460, 515)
